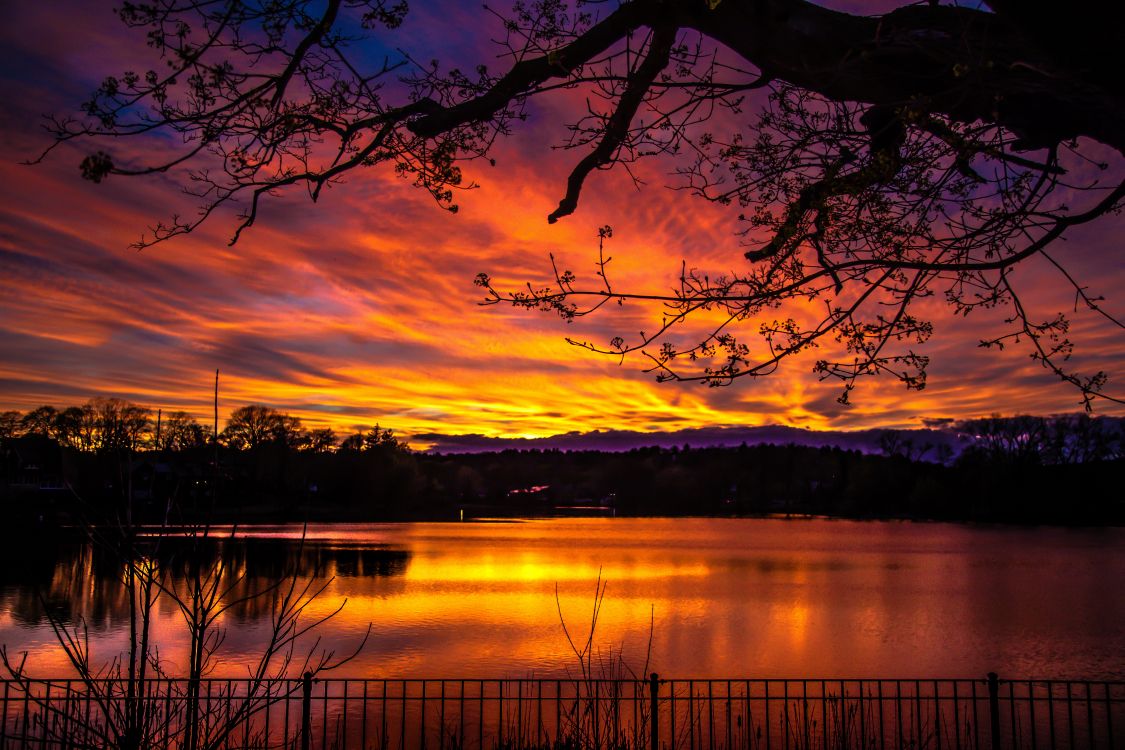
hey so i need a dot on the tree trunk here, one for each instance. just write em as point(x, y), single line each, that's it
point(1043, 81)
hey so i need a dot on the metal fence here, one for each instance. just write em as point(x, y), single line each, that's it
point(564, 714)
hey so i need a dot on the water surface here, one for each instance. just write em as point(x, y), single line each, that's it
point(687, 597)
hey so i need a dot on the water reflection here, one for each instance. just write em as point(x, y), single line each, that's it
point(83, 578)
point(741, 597)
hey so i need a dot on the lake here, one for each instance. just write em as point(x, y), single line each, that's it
point(688, 597)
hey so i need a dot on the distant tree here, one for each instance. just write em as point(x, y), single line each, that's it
point(10, 424)
point(121, 425)
point(290, 432)
point(873, 161)
point(375, 438)
point(1060, 439)
point(1080, 438)
point(252, 426)
point(39, 421)
point(180, 432)
point(1018, 439)
point(898, 443)
point(321, 441)
point(77, 427)
point(352, 443)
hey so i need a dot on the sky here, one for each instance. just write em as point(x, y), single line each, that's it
point(361, 309)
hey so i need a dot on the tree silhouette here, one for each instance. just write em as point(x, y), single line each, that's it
point(1060, 439)
point(253, 426)
point(374, 439)
point(322, 440)
point(76, 427)
point(9, 424)
point(40, 421)
point(181, 431)
point(121, 425)
point(873, 161)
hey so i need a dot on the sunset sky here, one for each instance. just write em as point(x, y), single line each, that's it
point(361, 308)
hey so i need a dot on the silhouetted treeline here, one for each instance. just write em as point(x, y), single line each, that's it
point(112, 424)
point(266, 467)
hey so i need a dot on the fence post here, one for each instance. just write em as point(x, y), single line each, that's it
point(654, 715)
point(994, 708)
point(306, 710)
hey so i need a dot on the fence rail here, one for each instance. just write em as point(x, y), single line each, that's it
point(563, 714)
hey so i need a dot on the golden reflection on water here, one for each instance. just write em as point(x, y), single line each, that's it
point(686, 597)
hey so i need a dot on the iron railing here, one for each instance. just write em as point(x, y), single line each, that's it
point(586, 714)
